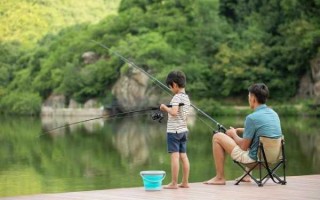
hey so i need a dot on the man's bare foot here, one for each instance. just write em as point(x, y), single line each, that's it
point(246, 179)
point(171, 186)
point(183, 185)
point(215, 181)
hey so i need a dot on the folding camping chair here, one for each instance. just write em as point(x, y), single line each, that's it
point(271, 156)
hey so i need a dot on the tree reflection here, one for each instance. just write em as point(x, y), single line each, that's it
point(111, 153)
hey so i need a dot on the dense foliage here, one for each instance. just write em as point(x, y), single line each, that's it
point(223, 46)
point(26, 21)
point(23, 23)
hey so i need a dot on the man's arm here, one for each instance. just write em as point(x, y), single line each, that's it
point(243, 143)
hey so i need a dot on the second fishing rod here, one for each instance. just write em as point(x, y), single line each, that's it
point(156, 115)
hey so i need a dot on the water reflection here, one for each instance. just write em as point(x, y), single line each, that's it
point(104, 154)
point(310, 146)
point(131, 141)
point(304, 137)
point(52, 122)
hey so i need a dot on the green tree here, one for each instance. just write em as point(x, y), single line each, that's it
point(23, 103)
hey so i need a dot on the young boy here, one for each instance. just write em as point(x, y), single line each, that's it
point(177, 130)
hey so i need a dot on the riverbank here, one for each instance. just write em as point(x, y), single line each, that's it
point(211, 107)
point(217, 109)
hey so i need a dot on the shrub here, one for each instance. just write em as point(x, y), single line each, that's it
point(23, 103)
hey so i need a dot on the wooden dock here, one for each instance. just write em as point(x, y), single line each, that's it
point(298, 187)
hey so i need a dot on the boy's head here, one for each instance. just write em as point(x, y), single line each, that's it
point(177, 77)
point(260, 91)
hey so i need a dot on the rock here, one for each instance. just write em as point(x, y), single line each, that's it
point(55, 106)
point(74, 104)
point(90, 57)
point(315, 68)
point(315, 71)
point(55, 101)
point(316, 89)
point(91, 103)
point(306, 87)
point(310, 82)
point(132, 91)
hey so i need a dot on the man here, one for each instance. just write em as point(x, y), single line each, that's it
point(262, 122)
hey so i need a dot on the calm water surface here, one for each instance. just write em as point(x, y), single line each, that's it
point(104, 154)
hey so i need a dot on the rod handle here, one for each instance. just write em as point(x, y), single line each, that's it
point(180, 104)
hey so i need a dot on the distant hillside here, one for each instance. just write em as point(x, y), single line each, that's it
point(223, 46)
point(27, 21)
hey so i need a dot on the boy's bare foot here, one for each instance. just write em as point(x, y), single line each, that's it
point(246, 179)
point(183, 185)
point(215, 181)
point(171, 186)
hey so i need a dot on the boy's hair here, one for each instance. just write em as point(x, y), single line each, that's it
point(177, 77)
point(260, 91)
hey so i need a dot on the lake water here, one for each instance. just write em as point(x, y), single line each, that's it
point(103, 154)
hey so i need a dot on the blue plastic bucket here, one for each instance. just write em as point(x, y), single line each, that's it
point(152, 180)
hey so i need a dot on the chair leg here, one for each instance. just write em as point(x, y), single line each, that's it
point(260, 173)
point(284, 182)
point(284, 162)
point(243, 168)
point(272, 174)
point(247, 173)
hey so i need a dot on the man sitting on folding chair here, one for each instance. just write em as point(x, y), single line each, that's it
point(262, 122)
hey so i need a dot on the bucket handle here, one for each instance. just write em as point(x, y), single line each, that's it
point(164, 175)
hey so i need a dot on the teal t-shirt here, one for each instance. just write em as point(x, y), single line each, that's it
point(262, 122)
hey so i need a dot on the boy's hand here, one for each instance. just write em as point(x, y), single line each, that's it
point(163, 107)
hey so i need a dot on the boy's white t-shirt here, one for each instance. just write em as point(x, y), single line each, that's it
point(178, 123)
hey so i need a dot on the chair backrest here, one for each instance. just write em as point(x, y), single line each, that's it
point(272, 149)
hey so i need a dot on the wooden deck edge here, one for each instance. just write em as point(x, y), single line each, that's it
point(297, 187)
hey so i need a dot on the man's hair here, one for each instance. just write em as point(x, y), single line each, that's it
point(260, 91)
point(177, 77)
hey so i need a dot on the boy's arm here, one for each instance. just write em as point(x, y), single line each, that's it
point(173, 111)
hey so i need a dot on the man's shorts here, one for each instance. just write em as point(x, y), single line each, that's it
point(241, 156)
point(177, 142)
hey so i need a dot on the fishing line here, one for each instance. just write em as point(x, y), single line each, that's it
point(105, 118)
point(156, 115)
point(101, 117)
point(220, 127)
point(205, 123)
point(130, 63)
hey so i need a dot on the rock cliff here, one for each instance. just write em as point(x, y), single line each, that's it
point(133, 90)
point(310, 83)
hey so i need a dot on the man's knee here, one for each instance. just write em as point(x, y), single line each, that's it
point(217, 137)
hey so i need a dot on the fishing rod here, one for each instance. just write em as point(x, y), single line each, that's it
point(156, 115)
point(220, 127)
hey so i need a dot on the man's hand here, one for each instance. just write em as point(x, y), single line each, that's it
point(232, 132)
point(240, 131)
point(242, 142)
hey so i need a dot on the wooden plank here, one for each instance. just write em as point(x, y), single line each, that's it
point(298, 187)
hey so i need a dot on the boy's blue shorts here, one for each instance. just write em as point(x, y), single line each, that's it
point(177, 142)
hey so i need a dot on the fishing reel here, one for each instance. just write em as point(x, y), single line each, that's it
point(220, 128)
point(157, 115)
